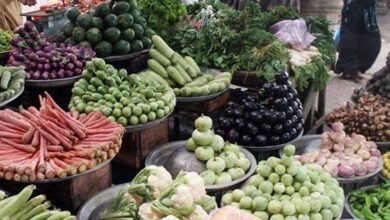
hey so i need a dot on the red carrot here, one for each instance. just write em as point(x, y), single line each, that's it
point(25, 178)
point(9, 175)
point(17, 177)
point(40, 176)
point(5, 134)
point(12, 126)
point(8, 129)
point(89, 153)
point(33, 110)
point(54, 148)
point(35, 141)
point(71, 169)
point(49, 137)
point(4, 116)
point(29, 135)
point(59, 171)
point(33, 177)
point(50, 172)
point(27, 148)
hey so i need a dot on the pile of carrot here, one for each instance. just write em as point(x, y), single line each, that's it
point(51, 143)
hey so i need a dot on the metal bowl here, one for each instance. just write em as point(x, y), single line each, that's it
point(175, 157)
point(93, 208)
point(200, 98)
point(310, 143)
point(348, 205)
point(273, 147)
point(141, 127)
point(50, 83)
point(3, 103)
point(125, 57)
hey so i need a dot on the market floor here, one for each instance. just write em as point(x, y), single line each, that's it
point(339, 91)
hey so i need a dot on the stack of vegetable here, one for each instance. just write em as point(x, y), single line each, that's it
point(386, 165)
point(344, 156)
point(51, 143)
point(23, 207)
point(44, 60)
point(5, 40)
point(11, 81)
point(372, 203)
point(284, 189)
point(369, 117)
point(379, 84)
point(154, 195)
point(126, 99)
point(224, 161)
point(119, 29)
point(274, 116)
point(168, 67)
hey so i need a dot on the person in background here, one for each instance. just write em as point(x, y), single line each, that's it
point(10, 13)
point(360, 39)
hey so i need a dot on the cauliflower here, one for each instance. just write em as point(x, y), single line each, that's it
point(170, 217)
point(195, 182)
point(160, 180)
point(182, 197)
point(198, 214)
point(146, 213)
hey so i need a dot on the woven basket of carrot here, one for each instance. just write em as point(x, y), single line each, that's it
point(47, 143)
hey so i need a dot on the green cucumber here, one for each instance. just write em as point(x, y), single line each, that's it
point(5, 78)
point(183, 73)
point(155, 54)
point(175, 75)
point(178, 59)
point(162, 47)
point(156, 78)
point(157, 68)
point(194, 65)
point(17, 202)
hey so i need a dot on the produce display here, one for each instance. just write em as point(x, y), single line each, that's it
point(25, 207)
point(154, 195)
point(5, 40)
point(170, 68)
point(344, 156)
point(379, 84)
point(126, 99)
point(221, 37)
point(274, 116)
point(224, 161)
point(386, 165)
point(231, 213)
point(51, 143)
point(372, 203)
point(11, 82)
point(285, 189)
point(369, 117)
point(112, 30)
point(44, 60)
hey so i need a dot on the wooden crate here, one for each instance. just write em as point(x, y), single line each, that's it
point(137, 145)
point(69, 194)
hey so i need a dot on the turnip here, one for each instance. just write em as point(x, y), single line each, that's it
point(249, 189)
point(209, 177)
point(279, 188)
point(191, 145)
point(345, 171)
point(204, 153)
point(217, 143)
point(332, 169)
point(223, 178)
point(274, 178)
point(337, 126)
point(365, 154)
point(266, 187)
point(227, 198)
point(255, 180)
point(375, 153)
point(216, 164)
point(288, 208)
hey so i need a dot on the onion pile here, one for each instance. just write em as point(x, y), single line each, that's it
point(370, 117)
point(344, 156)
point(44, 60)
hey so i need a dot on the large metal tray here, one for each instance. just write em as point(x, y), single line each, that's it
point(309, 143)
point(55, 180)
point(3, 103)
point(348, 205)
point(175, 157)
point(92, 209)
point(200, 98)
point(272, 147)
point(50, 83)
point(141, 127)
point(125, 57)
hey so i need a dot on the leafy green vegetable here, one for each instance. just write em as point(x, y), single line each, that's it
point(315, 71)
point(161, 14)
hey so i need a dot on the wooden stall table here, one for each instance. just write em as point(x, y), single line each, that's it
point(192, 110)
point(71, 193)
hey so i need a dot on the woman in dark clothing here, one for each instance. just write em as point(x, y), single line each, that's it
point(360, 39)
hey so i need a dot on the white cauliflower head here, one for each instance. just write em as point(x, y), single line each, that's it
point(198, 214)
point(197, 185)
point(160, 180)
point(182, 197)
point(146, 213)
point(170, 217)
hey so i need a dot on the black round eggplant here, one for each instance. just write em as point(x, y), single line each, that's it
point(274, 140)
point(287, 125)
point(293, 133)
point(269, 116)
point(277, 129)
point(280, 117)
point(252, 129)
point(289, 112)
point(220, 132)
point(239, 123)
point(281, 78)
point(246, 140)
point(281, 103)
point(260, 140)
point(265, 128)
point(233, 135)
point(280, 90)
point(285, 137)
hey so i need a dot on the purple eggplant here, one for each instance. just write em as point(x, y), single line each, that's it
point(54, 65)
point(36, 75)
point(29, 26)
point(61, 73)
point(19, 57)
point(53, 75)
point(72, 57)
point(79, 64)
point(47, 49)
point(33, 57)
point(78, 71)
point(61, 65)
point(28, 75)
point(70, 66)
point(47, 66)
point(45, 75)
point(69, 73)
point(40, 66)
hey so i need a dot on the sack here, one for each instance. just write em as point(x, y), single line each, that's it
point(294, 33)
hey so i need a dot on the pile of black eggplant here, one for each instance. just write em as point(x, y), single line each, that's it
point(270, 117)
